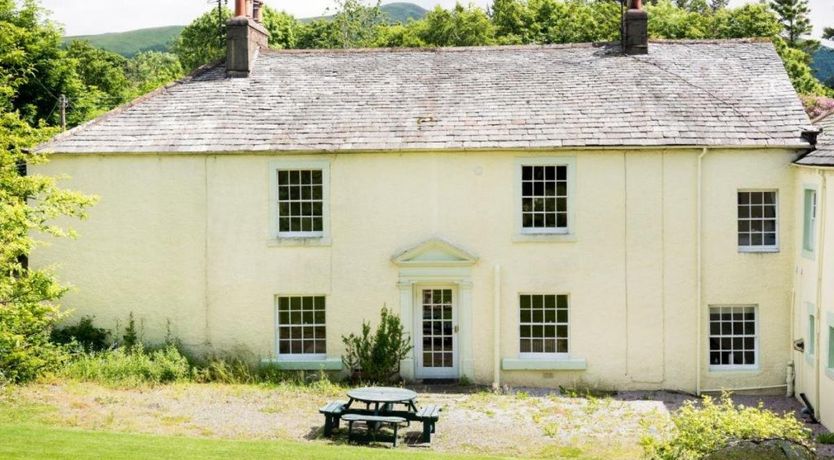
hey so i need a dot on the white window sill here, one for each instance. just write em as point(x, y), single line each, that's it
point(312, 241)
point(757, 250)
point(544, 238)
point(300, 364)
point(728, 369)
point(544, 364)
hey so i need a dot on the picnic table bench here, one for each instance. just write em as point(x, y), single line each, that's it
point(373, 422)
point(380, 408)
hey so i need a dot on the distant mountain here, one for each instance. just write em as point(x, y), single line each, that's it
point(395, 12)
point(822, 63)
point(133, 42)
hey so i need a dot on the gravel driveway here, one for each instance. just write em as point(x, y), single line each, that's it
point(522, 422)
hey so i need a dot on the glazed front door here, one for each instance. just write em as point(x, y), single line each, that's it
point(436, 344)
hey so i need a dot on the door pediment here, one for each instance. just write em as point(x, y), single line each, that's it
point(434, 253)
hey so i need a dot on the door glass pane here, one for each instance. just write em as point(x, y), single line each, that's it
point(438, 328)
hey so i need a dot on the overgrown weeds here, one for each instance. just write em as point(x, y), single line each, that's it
point(700, 431)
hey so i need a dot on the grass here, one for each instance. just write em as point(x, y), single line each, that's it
point(32, 441)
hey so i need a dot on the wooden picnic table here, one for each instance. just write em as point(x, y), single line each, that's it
point(379, 407)
point(383, 398)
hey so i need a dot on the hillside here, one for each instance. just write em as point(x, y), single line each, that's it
point(823, 63)
point(395, 12)
point(133, 42)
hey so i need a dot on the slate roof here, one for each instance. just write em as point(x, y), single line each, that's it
point(824, 153)
point(683, 93)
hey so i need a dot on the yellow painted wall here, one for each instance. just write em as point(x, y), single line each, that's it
point(816, 288)
point(186, 239)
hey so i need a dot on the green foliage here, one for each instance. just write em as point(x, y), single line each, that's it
point(825, 438)
point(203, 41)
point(796, 64)
point(134, 42)
point(103, 73)
point(828, 33)
point(129, 367)
point(28, 298)
point(130, 339)
point(700, 431)
point(283, 28)
point(85, 334)
point(150, 70)
point(377, 355)
point(793, 16)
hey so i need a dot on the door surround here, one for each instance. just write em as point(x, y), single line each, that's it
point(437, 262)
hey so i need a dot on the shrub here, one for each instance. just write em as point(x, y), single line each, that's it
point(131, 338)
point(701, 431)
point(84, 333)
point(376, 357)
point(130, 367)
point(825, 438)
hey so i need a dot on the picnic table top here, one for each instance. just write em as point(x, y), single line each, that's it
point(382, 394)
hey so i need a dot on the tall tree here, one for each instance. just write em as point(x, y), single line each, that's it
point(793, 14)
point(203, 41)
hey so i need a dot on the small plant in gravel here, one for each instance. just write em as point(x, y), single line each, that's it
point(700, 431)
point(825, 438)
point(375, 357)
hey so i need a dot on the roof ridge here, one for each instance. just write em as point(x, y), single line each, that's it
point(532, 46)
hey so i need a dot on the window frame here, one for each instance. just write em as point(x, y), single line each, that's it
point(277, 330)
point(317, 237)
point(761, 248)
point(538, 234)
point(809, 220)
point(756, 340)
point(545, 355)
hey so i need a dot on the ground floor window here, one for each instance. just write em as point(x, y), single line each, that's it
point(301, 328)
point(733, 339)
point(812, 336)
point(831, 347)
point(544, 324)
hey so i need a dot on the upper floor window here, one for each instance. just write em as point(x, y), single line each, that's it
point(544, 199)
point(543, 326)
point(810, 221)
point(299, 202)
point(757, 221)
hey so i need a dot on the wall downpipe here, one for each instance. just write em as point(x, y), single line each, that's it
point(496, 328)
point(820, 266)
point(699, 274)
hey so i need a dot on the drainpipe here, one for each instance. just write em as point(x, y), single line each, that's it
point(496, 328)
point(820, 265)
point(699, 288)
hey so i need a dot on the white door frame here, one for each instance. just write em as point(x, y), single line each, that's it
point(421, 372)
point(437, 262)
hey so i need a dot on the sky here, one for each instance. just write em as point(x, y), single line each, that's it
point(84, 17)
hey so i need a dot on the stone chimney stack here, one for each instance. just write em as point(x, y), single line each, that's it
point(245, 37)
point(636, 29)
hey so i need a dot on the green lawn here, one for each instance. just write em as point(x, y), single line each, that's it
point(35, 441)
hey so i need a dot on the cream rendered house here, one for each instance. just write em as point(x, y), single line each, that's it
point(813, 304)
point(537, 215)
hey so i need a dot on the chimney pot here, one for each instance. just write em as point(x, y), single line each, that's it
point(240, 7)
